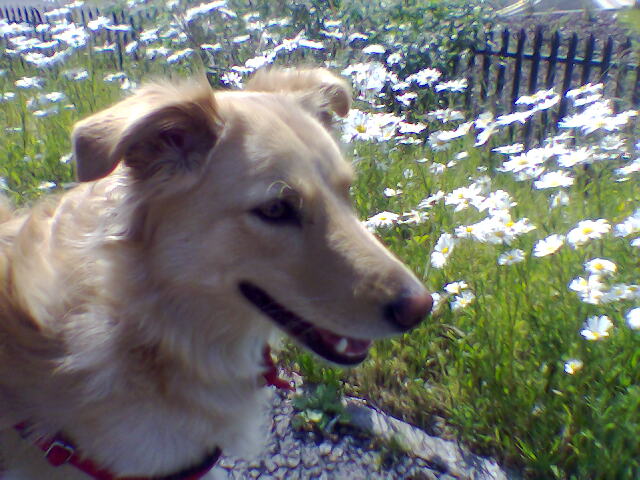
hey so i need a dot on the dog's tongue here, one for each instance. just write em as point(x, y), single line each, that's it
point(344, 345)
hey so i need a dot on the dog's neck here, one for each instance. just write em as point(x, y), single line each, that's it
point(151, 372)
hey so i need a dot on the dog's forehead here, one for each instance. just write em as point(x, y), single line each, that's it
point(284, 139)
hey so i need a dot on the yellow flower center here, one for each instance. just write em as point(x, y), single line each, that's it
point(361, 128)
point(445, 250)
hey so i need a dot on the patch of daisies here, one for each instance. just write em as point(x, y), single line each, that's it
point(591, 139)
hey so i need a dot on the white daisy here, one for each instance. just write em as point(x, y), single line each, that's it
point(428, 76)
point(463, 300)
point(554, 180)
point(629, 226)
point(596, 328)
point(529, 159)
point(633, 318)
point(442, 250)
point(578, 156)
point(438, 301)
point(381, 220)
point(431, 200)
point(573, 365)
point(600, 266)
point(548, 246)
point(509, 149)
point(456, 287)
point(511, 257)
point(452, 86)
point(391, 192)
point(591, 290)
point(587, 230)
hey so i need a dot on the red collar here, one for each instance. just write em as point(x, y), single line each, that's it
point(59, 451)
point(271, 373)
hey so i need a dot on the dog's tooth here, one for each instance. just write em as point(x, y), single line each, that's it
point(341, 346)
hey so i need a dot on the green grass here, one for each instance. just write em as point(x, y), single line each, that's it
point(496, 369)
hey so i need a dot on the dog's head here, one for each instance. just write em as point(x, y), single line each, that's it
point(247, 196)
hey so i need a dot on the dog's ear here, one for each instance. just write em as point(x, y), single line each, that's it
point(163, 127)
point(318, 90)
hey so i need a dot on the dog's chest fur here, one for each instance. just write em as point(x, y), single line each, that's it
point(119, 374)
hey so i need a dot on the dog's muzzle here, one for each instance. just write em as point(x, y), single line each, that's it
point(333, 347)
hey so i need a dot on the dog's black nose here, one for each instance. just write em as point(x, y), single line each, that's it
point(408, 310)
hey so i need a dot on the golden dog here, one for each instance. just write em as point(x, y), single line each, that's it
point(136, 307)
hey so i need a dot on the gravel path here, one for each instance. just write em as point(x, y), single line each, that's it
point(358, 451)
point(351, 455)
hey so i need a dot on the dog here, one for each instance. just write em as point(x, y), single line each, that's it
point(135, 308)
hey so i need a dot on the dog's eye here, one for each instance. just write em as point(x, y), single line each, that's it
point(278, 211)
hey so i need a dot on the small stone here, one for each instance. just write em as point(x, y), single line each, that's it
point(237, 475)
point(444, 476)
point(415, 474)
point(281, 473)
point(288, 445)
point(294, 475)
point(292, 461)
point(438, 425)
point(218, 472)
point(282, 428)
point(226, 463)
point(270, 465)
point(315, 471)
point(370, 458)
point(309, 458)
point(287, 409)
point(336, 454)
point(324, 449)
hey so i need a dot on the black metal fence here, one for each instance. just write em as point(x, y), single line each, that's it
point(506, 65)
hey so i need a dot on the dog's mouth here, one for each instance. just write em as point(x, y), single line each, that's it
point(330, 346)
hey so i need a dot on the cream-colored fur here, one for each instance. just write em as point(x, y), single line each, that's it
point(121, 323)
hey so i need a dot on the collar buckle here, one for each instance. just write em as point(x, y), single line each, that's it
point(59, 453)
